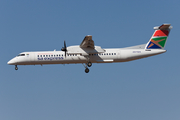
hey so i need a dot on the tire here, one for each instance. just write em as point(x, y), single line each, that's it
point(86, 70)
point(89, 64)
point(16, 68)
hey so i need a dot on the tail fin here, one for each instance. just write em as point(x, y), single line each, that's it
point(159, 38)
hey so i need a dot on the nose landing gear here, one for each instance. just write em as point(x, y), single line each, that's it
point(16, 68)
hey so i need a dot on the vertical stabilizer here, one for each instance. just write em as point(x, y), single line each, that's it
point(159, 38)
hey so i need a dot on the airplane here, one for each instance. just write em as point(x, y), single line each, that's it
point(87, 53)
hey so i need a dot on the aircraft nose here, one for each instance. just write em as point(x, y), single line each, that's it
point(11, 62)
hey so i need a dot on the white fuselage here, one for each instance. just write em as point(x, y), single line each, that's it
point(87, 53)
point(58, 57)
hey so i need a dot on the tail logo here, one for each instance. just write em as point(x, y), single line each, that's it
point(158, 39)
point(157, 43)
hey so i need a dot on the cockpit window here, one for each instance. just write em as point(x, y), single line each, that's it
point(21, 55)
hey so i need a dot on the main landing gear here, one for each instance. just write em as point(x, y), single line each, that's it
point(89, 64)
point(16, 68)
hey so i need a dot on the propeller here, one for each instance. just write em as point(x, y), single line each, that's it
point(64, 48)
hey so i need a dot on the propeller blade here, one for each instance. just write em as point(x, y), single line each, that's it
point(64, 48)
point(65, 44)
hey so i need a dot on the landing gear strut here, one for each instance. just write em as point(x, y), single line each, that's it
point(86, 67)
point(16, 68)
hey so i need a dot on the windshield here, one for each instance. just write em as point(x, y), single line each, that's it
point(20, 55)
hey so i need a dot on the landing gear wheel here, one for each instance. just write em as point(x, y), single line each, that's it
point(16, 68)
point(86, 70)
point(89, 64)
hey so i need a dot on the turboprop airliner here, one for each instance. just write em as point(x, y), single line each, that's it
point(87, 53)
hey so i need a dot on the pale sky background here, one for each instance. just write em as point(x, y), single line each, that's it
point(146, 89)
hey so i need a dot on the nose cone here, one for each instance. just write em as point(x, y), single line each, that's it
point(11, 62)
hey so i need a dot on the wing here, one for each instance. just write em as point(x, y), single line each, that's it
point(87, 42)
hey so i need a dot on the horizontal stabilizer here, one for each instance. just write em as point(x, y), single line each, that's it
point(163, 27)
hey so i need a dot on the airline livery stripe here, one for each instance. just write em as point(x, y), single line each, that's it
point(161, 33)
